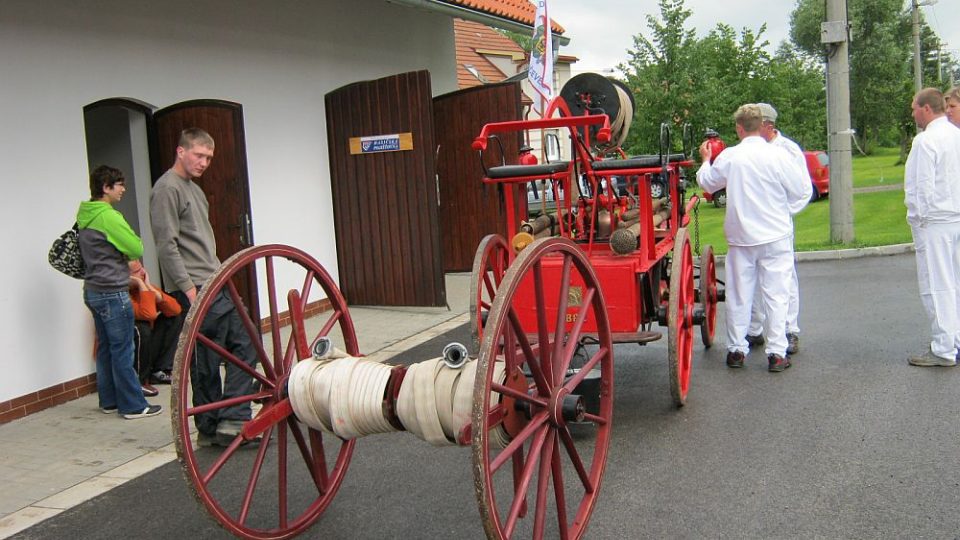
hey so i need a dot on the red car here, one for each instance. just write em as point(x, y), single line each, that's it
point(818, 166)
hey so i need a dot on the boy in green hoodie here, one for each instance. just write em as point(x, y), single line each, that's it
point(107, 245)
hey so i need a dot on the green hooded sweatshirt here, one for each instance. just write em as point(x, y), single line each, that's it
point(107, 243)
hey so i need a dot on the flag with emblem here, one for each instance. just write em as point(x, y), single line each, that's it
point(540, 73)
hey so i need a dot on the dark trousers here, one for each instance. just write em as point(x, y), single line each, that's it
point(156, 345)
point(224, 327)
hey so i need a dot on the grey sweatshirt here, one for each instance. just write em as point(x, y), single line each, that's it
point(186, 247)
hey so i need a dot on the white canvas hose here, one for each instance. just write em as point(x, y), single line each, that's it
point(345, 396)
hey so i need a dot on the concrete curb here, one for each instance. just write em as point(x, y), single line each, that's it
point(841, 254)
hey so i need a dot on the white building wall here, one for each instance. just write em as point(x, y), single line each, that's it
point(277, 59)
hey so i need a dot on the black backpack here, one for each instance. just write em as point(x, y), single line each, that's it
point(64, 255)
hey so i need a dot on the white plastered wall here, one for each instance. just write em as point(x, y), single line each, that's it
point(278, 59)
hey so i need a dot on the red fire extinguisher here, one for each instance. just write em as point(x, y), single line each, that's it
point(526, 156)
point(714, 143)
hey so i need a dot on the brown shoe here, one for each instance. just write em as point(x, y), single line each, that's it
point(735, 359)
point(777, 363)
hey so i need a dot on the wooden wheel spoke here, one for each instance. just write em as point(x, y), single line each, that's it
point(543, 386)
point(252, 330)
point(274, 315)
point(510, 392)
point(254, 476)
point(531, 428)
point(225, 403)
point(578, 378)
point(318, 475)
point(489, 284)
point(543, 336)
point(575, 459)
point(220, 462)
point(543, 482)
point(560, 329)
point(230, 357)
point(558, 491)
point(573, 338)
point(519, 495)
point(327, 326)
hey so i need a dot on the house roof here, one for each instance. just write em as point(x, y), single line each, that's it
point(521, 11)
point(476, 43)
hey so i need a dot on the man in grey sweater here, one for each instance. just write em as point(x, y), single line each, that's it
point(187, 249)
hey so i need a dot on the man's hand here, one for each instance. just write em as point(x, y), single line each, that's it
point(192, 295)
point(705, 153)
point(138, 283)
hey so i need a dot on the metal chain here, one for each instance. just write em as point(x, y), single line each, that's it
point(696, 228)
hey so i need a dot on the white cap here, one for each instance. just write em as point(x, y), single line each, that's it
point(767, 112)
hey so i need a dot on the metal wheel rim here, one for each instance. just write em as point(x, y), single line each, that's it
point(708, 295)
point(180, 390)
point(502, 330)
point(680, 317)
point(489, 266)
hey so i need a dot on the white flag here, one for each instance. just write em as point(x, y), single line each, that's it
point(540, 73)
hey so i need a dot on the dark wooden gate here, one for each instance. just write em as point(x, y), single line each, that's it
point(225, 182)
point(385, 202)
point(469, 209)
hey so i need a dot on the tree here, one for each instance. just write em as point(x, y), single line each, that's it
point(678, 78)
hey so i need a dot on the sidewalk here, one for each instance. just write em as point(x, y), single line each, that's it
point(58, 458)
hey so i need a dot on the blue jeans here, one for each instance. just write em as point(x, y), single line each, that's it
point(117, 382)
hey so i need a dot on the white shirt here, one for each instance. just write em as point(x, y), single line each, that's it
point(763, 182)
point(931, 181)
point(796, 153)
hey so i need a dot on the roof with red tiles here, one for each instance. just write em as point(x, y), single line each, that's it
point(476, 42)
point(521, 11)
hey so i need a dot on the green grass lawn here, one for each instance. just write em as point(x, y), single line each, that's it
point(878, 169)
point(879, 218)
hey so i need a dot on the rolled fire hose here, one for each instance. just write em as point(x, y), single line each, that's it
point(345, 396)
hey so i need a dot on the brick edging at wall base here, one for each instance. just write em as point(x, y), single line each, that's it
point(48, 397)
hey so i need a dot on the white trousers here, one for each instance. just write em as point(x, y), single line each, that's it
point(757, 315)
point(767, 267)
point(938, 276)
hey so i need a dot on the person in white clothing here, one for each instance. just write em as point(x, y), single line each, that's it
point(769, 131)
point(763, 183)
point(931, 188)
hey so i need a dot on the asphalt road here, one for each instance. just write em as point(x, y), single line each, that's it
point(851, 442)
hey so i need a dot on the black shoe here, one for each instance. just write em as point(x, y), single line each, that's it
point(160, 377)
point(735, 359)
point(777, 363)
point(150, 410)
point(793, 342)
point(148, 390)
point(755, 341)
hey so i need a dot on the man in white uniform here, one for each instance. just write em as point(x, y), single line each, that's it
point(932, 194)
point(769, 131)
point(763, 183)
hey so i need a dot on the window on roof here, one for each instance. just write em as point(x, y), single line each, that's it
point(473, 71)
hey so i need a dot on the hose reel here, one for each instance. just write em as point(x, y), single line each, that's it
point(596, 94)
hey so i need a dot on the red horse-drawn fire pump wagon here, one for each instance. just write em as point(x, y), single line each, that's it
point(533, 399)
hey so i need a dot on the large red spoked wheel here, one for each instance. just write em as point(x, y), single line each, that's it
point(489, 266)
point(708, 295)
point(545, 481)
point(680, 317)
point(277, 486)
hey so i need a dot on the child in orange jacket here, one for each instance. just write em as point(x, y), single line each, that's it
point(158, 320)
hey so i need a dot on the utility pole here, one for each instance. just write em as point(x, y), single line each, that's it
point(834, 33)
point(917, 66)
point(917, 70)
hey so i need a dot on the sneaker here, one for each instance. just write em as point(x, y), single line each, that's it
point(109, 410)
point(793, 342)
point(777, 363)
point(228, 430)
point(735, 359)
point(160, 377)
point(206, 441)
point(928, 359)
point(148, 390)
point(755, 341)
point(149, 410)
